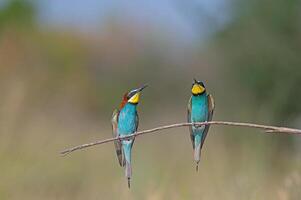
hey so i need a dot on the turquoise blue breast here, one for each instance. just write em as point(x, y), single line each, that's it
point(127, 120)
point(199, 108)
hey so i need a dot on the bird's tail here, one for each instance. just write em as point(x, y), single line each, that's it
point(128, 173)
point(197, 155)
point(127, 147)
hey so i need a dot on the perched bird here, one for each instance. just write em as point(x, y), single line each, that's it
point(125, 122)
point(200, 109)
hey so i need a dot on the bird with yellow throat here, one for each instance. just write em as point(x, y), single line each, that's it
point(200, 109)
point(125, 122)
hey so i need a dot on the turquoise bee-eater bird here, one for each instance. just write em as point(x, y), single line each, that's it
point(200, 109)
point(125, 122)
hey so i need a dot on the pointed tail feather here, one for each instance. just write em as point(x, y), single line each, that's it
point(197, 155)
point(128, 172)
point(127, 147)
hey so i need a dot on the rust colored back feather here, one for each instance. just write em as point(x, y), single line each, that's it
point(124, 101)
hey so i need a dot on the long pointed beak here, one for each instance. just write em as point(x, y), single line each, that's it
point(142, 88)
point(195, 81)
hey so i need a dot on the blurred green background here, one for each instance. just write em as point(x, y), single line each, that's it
point(64, 66)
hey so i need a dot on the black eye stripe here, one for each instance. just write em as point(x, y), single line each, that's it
point(199, 83)
point(131, 93)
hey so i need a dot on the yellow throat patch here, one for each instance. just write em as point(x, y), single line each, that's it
point(197, 89)
point(135, 99)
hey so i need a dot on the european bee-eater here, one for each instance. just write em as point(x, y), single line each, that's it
point(200, 109)
point(125, 122)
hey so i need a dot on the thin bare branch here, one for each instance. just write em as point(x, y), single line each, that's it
point(267, 129)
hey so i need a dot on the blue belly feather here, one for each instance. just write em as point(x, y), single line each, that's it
point(199, 108)
point(127, 120)
point(127, 124)
point(199, 113)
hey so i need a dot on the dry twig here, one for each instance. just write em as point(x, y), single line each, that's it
point(267, 129)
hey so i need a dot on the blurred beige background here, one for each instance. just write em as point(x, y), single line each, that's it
point(64, 66)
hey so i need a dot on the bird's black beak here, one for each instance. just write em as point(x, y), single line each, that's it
point(195, 81)
point(142, 88)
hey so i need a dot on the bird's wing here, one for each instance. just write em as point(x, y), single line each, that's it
point(189, 121)
point(117, 143)
point(210, 114)
point(137, 121)
point(137, 124)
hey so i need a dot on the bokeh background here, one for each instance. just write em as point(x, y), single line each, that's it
point(64, 66)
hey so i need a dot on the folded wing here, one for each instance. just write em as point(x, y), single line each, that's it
point(117, 143)
point(189, 121)
point(210, 114)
